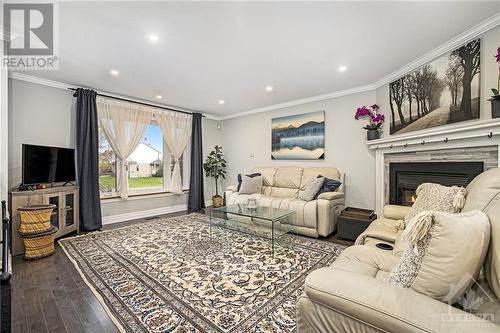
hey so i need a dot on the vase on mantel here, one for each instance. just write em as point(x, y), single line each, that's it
point(374, 118)
point(372, 134)
point(495, 106)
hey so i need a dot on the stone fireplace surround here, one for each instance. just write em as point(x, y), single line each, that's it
point(477, 141)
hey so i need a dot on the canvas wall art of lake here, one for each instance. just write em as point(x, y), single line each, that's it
point(299, 137)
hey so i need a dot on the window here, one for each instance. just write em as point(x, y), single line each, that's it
point(107, 166)
point(146, 162)
point(149, 166)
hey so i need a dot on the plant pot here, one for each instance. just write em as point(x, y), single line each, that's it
point(216, 201)
point(372, 134)
point(495, 106)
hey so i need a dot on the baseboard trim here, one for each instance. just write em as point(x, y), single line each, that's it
point(146, 213)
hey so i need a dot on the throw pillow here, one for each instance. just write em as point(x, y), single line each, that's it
point(312, 189)
point(437, 198)
point(444, 255)
point(329, 185)
point(239, 179)
point(250, 185)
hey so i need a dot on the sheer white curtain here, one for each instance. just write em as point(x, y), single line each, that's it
point(124, 125)
point(176, 128)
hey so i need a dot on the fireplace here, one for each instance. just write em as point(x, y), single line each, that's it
point(404, 178)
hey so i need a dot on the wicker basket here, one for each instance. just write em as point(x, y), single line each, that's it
point(39, 246)
point(35, 219)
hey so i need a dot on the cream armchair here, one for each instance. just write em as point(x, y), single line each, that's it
point(281, 189)
point(352, 296)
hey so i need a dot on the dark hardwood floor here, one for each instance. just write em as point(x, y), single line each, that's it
point(48, 295)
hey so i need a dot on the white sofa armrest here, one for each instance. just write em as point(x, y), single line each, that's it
point(396, 212)
point(231, 188)
point(331, 195)
point(388, 308)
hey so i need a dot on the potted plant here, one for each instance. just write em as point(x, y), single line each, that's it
point(214, 166)
point(495, 99)
point(375, 118)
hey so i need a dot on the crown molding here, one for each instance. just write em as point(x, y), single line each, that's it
point(450, 45)
point(63, 85)
point(335, 94)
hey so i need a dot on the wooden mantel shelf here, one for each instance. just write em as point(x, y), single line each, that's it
point(458, 132)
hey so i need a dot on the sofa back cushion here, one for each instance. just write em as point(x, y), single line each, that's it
point(310, 173)
point(288, 177)
point(483, 194)
point(267, 178)
point(290, 181)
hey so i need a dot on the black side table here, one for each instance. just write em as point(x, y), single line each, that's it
point(353, 221)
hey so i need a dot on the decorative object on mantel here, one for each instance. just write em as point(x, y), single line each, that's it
point(215, 167)
point(495, 99)
point(376, 120)
point(36, 231)
point(444, 91)
point(298, 137)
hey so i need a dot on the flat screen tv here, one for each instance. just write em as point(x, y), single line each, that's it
point(43, 164)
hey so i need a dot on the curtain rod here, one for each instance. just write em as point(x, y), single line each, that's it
point(141, 103)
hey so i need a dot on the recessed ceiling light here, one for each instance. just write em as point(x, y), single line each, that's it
point(269, 88)
point(221, 102)
point(114, 72)
point(154, 38)
point(342, 68)
point(159, 97)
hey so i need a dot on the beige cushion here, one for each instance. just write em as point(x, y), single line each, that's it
point(267, 175)
point(288, 177)
point(449, 256)
point(312, 189)
point(310, 173)
point(250, 185)
point(436, 198)
point(284, 192)
point(396, 212)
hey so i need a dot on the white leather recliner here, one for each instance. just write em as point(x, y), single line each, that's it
point(281, 189)
point(352, 295)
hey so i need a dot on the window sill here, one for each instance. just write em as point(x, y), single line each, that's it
point(140, 195)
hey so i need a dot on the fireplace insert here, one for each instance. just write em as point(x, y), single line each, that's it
point(404, 178)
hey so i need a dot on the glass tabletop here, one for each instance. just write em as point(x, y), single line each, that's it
point(265, 213)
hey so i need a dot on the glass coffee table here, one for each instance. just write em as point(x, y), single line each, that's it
point(268, 222)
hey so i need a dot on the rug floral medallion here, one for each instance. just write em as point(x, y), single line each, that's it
point(169, 275)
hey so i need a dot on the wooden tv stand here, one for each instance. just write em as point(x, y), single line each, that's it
point(65, 217)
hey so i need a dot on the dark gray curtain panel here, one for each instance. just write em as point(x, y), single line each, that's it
point(87, 159)
point(196, 199)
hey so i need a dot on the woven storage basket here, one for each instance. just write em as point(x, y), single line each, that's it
point(39, 246)
point(35, 218)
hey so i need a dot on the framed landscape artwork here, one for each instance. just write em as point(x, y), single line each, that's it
point(441, 92)
point(299, 137)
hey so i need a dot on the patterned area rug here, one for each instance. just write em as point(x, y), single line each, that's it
point(168, 275)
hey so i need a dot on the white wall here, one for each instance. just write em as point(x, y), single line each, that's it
point(345, 146)
point(37, 115)
point(44, 115)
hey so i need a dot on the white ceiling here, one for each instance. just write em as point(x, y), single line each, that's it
point(232, 50)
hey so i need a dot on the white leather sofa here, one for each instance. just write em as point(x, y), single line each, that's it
point(281, 189)
point(352, 296)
